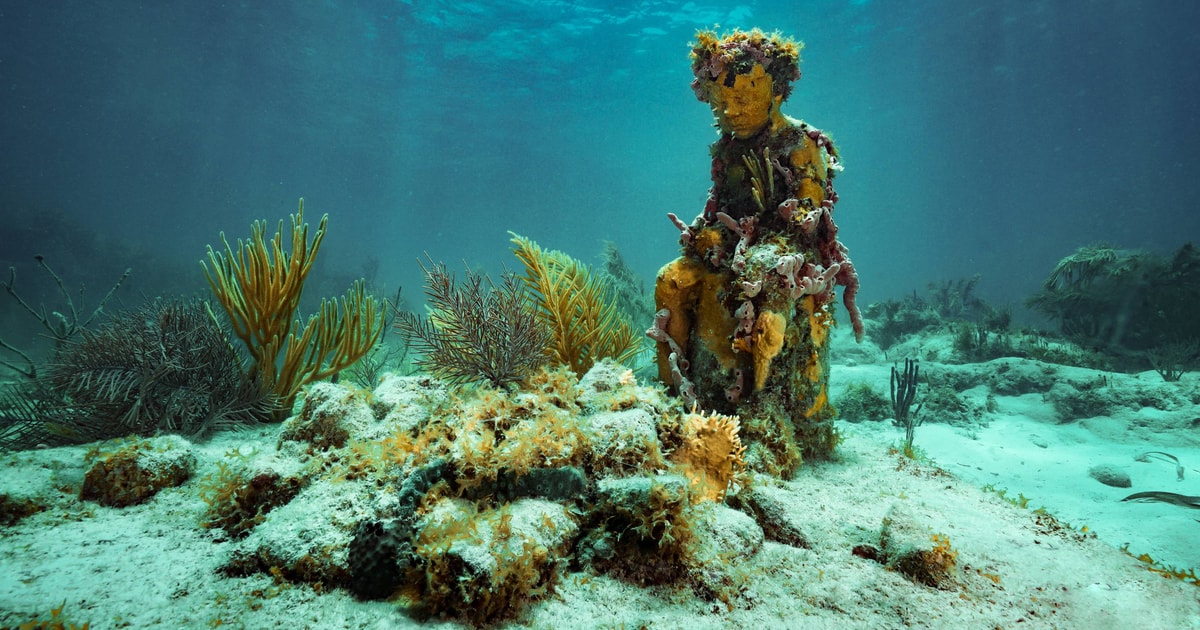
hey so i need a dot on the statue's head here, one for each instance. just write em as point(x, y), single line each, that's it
point(744, 76)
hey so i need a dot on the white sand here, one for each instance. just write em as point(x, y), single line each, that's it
point(153, 566)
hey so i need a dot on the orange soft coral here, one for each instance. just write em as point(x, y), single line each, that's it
point(768, 342)
point(711, 453)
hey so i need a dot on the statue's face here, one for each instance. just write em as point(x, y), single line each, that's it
point(744, 108)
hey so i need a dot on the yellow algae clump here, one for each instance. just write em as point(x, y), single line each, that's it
point(711, 454)
point(707, 243)
point(768, 341)
point(706, 40)
point(706, 239)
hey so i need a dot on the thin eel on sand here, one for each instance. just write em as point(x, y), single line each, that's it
point(1182, 500)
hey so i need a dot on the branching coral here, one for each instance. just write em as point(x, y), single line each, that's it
point(478, 331)
point(904, 394)
point(260, 286)
point(166, 366)
point(578, 307)
point(61, 324)
point(1172, 359)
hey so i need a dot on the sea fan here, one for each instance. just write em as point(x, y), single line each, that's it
point(167, 366)
point(33, 415)
point(476, 331)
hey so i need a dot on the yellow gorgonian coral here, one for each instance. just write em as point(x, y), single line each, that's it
point(259, 287)
point(578, 306)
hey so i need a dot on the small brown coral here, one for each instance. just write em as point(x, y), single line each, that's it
point(482, 566)
point(14, 508)
point(909, 548)
point(238, 501)
point(930, 565)
point(135, 472)
point(320, 421)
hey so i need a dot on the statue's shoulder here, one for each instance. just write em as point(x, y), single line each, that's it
point(789, 135)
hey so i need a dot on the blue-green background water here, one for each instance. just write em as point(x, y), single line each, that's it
point(988, 137)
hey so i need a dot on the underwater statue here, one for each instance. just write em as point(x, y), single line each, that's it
point(744, 313)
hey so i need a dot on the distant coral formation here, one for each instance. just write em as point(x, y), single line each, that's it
point(629, 289)
point(1136, 306)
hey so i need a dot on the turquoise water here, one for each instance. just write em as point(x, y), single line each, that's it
point(989, 138)
point(981, 140)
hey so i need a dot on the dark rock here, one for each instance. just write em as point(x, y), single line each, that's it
point(768, 506)
point(379, 556)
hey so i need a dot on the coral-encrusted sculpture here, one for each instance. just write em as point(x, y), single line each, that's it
point(744, 313)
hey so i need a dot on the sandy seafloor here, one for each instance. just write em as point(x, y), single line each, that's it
point(152, 566)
